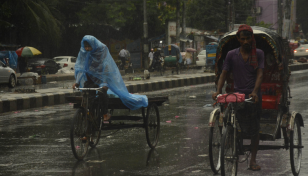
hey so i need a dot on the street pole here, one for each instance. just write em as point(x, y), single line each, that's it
point(145, 35)
point(184, 23)
point(280, 18)
point(226, 15)
point(177, 21)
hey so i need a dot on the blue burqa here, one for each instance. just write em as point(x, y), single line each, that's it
point(101, 68)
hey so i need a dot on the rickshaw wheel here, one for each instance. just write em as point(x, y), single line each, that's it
point(228, 157)
point(95, 134)
point(295, 153)
point(152, 125)
point(214, 145)
point(77, 133)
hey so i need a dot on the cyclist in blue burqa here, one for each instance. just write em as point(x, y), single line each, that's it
point(96, 68)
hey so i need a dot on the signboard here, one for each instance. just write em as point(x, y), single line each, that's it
point(212, 55)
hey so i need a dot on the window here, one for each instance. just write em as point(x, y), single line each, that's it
point(203, 52)
point(73, 59)
point(61, 59)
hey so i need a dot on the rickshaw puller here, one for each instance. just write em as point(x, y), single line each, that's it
point(246, 63)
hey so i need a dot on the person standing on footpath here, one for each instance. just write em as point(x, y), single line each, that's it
point(151, 54)
point(122, 55)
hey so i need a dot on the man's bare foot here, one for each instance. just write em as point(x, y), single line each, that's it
point(106, 117)
point(254, 167)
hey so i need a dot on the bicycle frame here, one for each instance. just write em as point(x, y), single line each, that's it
point(85, 101)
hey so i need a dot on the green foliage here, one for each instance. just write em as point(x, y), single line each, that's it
point(252, 22)
point(33, 16)
point(206, 14)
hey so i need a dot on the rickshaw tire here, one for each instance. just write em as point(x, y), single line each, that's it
point(295, 170)
point(73, 132)
point(211, 138)
point(149, 125)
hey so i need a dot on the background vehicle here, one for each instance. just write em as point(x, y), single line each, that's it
point(172, 57)
point(7, 75)
point(301, 52)
point(201, 58)
point(43, 65)
point(210, 56)
point(66, 61)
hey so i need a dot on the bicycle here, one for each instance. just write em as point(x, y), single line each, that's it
point(231, 141)
point(87, 124)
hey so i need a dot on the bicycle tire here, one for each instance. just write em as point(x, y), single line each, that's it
point(295, 153)
point(95, 133)
point(215, 145)
point(77, 133)
point(152, 125)
point(228, 158)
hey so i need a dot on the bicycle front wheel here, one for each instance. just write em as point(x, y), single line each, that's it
point(79, 140)
point(228, 153)
point(214, 146)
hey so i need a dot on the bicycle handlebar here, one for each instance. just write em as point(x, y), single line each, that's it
point(249, 100)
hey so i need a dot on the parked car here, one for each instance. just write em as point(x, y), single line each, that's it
point(7, 75)
point(43, 66)
point(301, 52)
point(66, 61)
point(201, 58)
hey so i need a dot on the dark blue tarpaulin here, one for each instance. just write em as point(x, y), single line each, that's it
point(12, 57)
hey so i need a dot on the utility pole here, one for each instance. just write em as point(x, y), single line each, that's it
point(226, 15)
point(145, 35)
point(184, 23)
point(280, 17)
point(177, 21)
point(233, 15)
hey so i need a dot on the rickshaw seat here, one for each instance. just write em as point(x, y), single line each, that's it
point(271, 93)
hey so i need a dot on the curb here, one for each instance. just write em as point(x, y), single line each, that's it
point(50, 99)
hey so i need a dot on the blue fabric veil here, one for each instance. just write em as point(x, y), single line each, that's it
point(102, 70)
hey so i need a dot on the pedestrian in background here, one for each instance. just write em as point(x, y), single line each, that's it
point(122, 55)
point(151, 54)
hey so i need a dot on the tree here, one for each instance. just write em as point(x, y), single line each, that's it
point(206, 14)
point(30, 21)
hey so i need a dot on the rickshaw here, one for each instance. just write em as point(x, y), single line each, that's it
point(173, 57)
point(276, 121)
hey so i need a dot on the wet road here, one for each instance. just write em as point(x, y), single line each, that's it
point(35, 141)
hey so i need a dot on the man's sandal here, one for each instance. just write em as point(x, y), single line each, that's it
point(254, 167)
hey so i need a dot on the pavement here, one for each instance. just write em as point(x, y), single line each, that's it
point(49, 95)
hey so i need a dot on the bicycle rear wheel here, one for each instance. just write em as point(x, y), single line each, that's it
point(96, 125)
point(228, 153)
point(79, 140)
point(295, 152)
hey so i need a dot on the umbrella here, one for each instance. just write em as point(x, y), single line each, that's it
point(27, 51)
point(190, 50)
